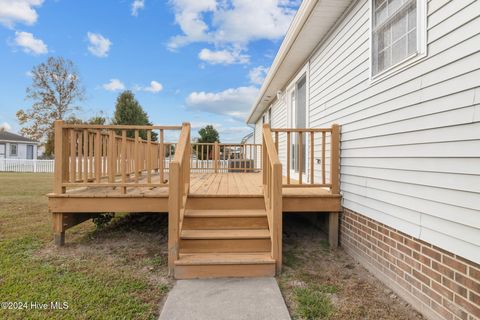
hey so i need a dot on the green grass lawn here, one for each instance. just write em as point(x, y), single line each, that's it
point(115, 273)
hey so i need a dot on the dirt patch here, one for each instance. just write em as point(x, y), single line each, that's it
point(319, 283)
point(133, 245)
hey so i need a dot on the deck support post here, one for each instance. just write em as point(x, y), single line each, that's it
point(333, 218)
point(58, 229)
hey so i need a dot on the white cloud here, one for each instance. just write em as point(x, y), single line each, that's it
point(231, 22)
point(5, 127)
point(29, 43)
point(114, 85)
point(222, 56)
point(154, 87)
point(18, 11)
point(99, 45)
point(189, 16)
point(136, 6)
point(233, 102)
point(257, 75)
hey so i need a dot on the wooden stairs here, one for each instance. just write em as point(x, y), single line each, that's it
point(220, 239)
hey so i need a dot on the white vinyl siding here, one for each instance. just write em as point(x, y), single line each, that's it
point(410, 143)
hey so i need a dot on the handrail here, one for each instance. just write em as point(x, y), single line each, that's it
point(120, 127)
point(297, 143)
point(272, 188)
point(225, 157)
point(178, 192)
point(103, 156)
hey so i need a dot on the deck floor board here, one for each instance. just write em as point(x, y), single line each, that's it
point(201, 184)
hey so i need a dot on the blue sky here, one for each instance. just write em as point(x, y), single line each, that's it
point(200, 61)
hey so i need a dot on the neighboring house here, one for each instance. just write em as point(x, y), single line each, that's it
point(402, 78)
point(14, 146)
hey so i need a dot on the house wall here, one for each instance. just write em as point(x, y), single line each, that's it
point(410, 142)
point(21, 150)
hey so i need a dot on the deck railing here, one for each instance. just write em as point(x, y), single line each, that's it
point(272, 188)
point(178, 192)
point(111, 155)
point(305, 155)
point(225, 157)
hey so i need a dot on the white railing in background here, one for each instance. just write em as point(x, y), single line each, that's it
point(24, 165)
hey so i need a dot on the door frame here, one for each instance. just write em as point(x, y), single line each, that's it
point(33, 152)
point(292, 86)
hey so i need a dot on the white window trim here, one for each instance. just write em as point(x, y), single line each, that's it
point(410, 60)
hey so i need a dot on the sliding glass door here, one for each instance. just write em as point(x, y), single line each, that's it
point(298, 119)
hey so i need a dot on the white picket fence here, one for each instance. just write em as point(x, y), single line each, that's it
point(23, 165)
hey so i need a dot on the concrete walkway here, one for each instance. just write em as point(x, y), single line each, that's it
point(236, 299)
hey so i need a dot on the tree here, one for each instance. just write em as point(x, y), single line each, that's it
point(128, 111)
point(208, 134)
point(55, 90)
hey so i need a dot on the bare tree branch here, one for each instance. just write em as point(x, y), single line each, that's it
point(54, 91)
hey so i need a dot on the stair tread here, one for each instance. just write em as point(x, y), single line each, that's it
point(224, 258)
point(225, 234)
point(224, 213)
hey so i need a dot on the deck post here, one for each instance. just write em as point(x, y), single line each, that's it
point(58, 229)
point(333, 229)
point(335, 160)
point(277, 213)
point(60, 158)
point(173, 214)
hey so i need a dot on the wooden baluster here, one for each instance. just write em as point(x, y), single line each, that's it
point(300, 157)
point(162, 157)
point(123, 162)
point(105, 157)
point(73, 156)
point(324, 134)
point(276, 140)
point(98, 159)
point(244, 159)
point(288, 157)
point(80, 156)
point(136, 155)
point(216, 156)
point(312, 144)
point(110, 156)
point(85, 156)
point(203, 158)
point(90, 156)
point(149, 156)
point(196, 155)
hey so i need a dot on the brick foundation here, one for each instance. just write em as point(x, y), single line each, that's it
point(439, 284)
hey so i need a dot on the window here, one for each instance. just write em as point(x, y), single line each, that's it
point(13, 149)
point(395, 33)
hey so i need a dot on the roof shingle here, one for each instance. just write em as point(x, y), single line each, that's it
point(8, 136)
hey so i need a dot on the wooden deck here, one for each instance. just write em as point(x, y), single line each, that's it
point(209, 185)
point(224, 201)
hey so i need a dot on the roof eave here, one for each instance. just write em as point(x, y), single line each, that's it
point(294, 39)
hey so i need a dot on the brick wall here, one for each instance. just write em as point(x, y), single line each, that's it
point(439, 284)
